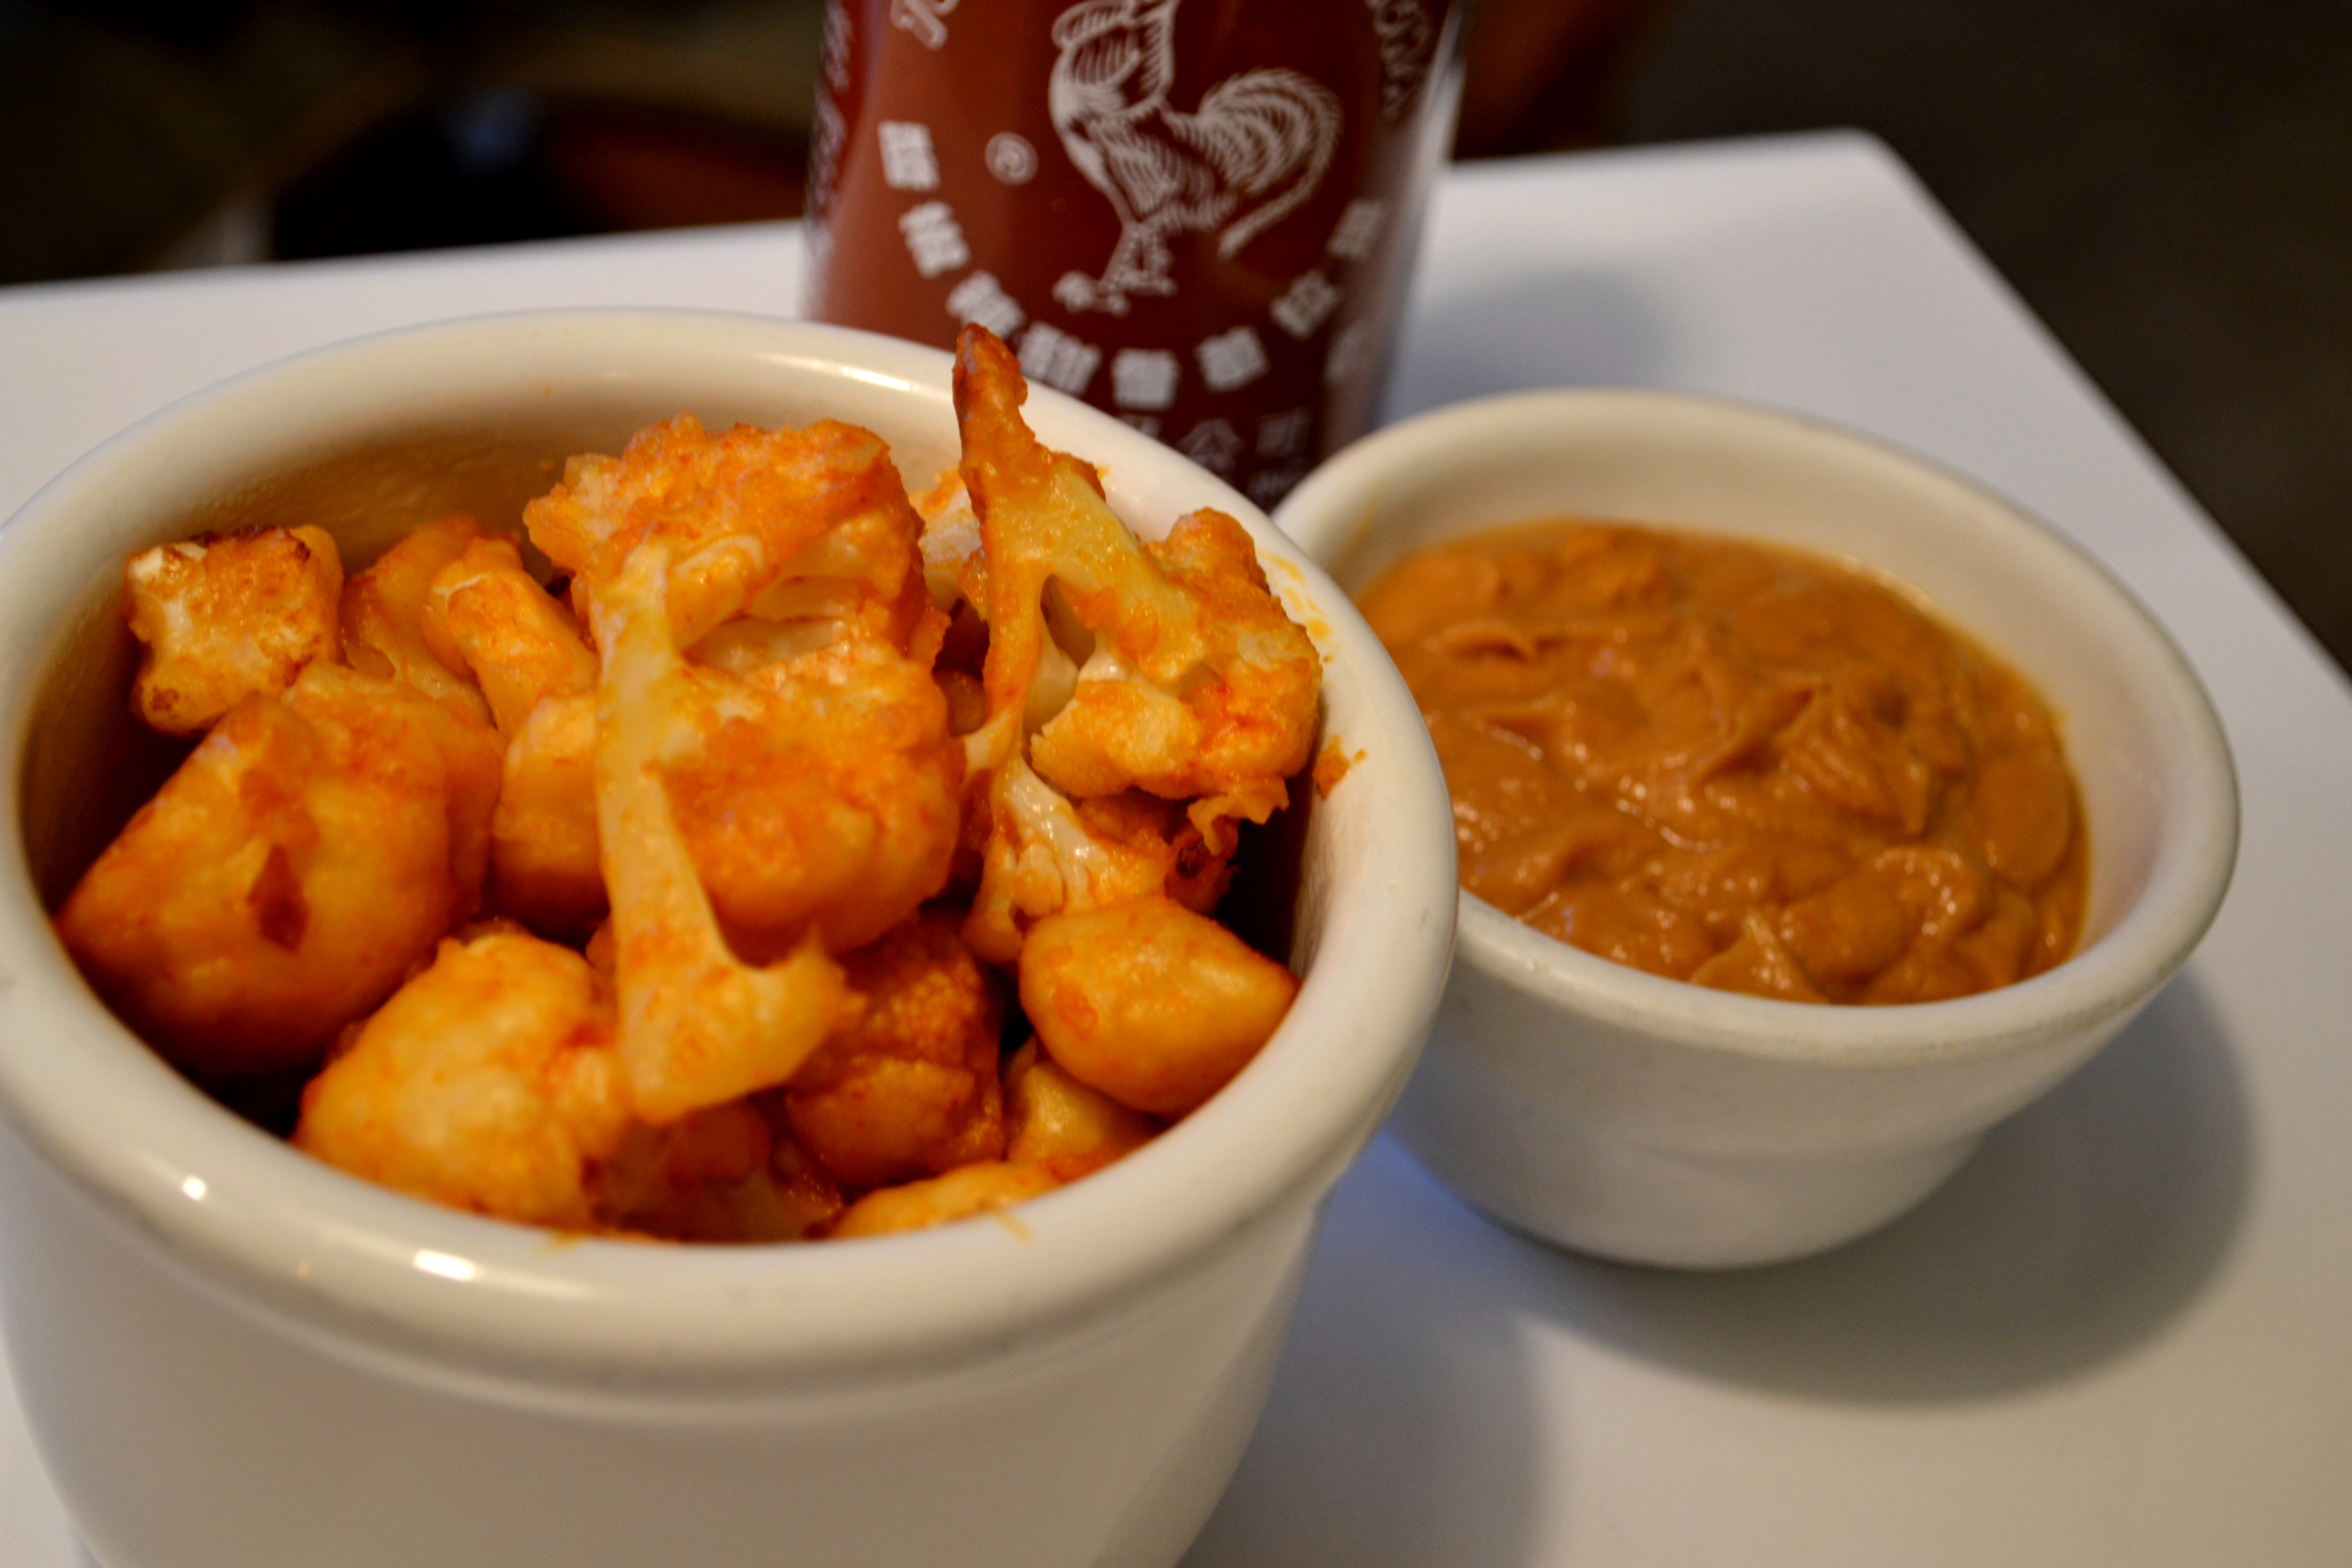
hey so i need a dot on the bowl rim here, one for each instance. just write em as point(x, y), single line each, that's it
point(2195, 855)
point(378, 1272)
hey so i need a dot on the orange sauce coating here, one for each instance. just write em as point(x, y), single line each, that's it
point(1736, 764)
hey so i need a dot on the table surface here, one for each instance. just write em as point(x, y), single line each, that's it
point(2121, 1335)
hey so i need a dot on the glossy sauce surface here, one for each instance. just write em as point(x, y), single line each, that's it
point(1737, 765)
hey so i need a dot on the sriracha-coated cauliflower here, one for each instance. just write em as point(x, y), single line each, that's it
point(757, 600)
point(227, 616)
point(383, 614)
point(1113, 665)
point(485, 614)
point(808, 758)
point(688, 896)
point(911, 1088)
point(487, 1083)
point(312, 849)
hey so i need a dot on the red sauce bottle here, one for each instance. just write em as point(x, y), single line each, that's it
point(1199, 214)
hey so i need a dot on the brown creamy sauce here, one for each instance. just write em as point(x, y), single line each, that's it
point(1737, 765)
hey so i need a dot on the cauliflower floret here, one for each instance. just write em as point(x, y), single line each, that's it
point(1112, 667)
point(310, 850)
point(488, 1083)
point(911, 1088)
point(1234, 739)
point(1154, 1005)
point(727, 1174)
point(1058, 1124)
point(806, 741)
point(964, 1193)
point(1190, 681)
point(809, 763)
point(1041, 856)
point(810, 530)
point(786, 524)
point(789, 820)
point(1044, 854)
point(820, 790)
point(544, 869)
point(383, 614)
point(810, 768)
point(697, 1026)
point(485, 614)
point(226, 616)
point(955, 567)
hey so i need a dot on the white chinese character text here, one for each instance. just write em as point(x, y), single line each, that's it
point(1352, 349)
point(1231, 359)
point(1357, 230)
point(1283, 434)
point(934, 239)
point(1212, 445)
point(1306, 305)
point(1059, 360)
point(981, 298)
point(1143, 378)
point(907, 161)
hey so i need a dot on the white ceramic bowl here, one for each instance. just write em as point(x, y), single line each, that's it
point(1655, 1122)
point(229, 1354)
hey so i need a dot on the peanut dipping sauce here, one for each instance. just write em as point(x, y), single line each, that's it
point(1736, 764)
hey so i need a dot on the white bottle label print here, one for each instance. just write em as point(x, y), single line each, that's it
point(1306, 305)
point(921, 17)
point(981, 298)
point(1283, 434)
point(1212, 445)
point(840, 38)
point(1231, 359)
point(1144, 378)
point(1408, 43)
point(1060, 359)
point(1253, 148)
point(934, 239)
point(908, 163)
point(1010, 158)
point(1357, 230)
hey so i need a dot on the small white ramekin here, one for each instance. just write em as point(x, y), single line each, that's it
point(1651, 1120)
point(230, 1353)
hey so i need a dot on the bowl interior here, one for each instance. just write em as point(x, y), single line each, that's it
point(373, 438)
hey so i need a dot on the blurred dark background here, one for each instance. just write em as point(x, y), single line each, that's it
point(2169, 182)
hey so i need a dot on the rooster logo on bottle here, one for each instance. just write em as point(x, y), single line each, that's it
point(1254, 148)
